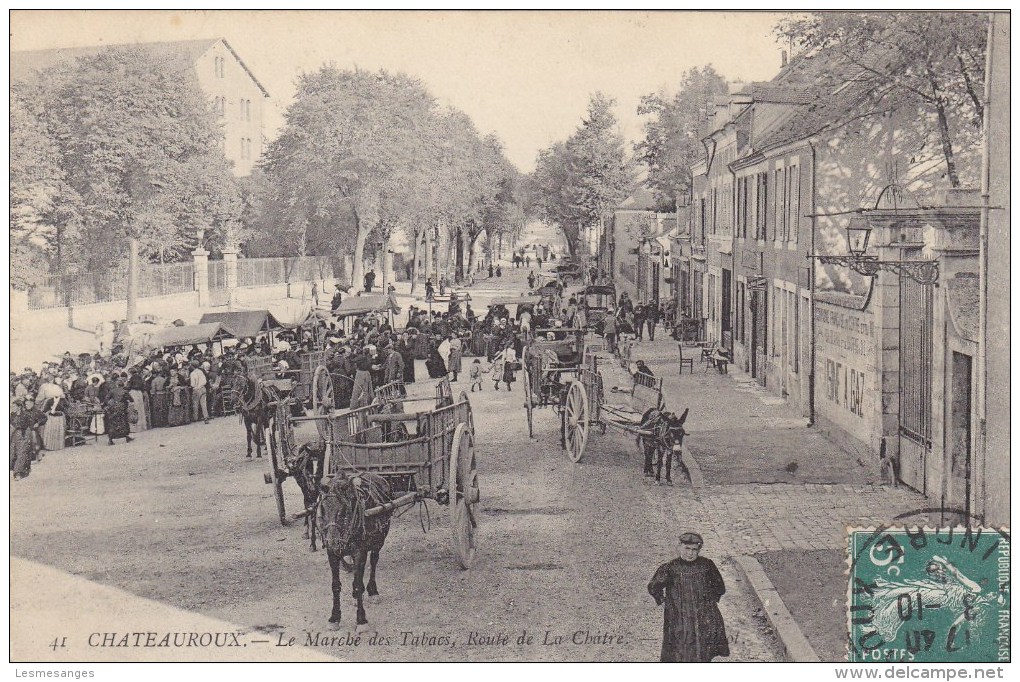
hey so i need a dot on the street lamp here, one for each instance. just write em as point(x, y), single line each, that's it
point(858, 234)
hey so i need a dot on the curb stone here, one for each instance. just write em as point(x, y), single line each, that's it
point(795, 644)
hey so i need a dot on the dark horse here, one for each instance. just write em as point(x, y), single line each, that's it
point(346, 530)
point(254, 402)
point(307, 470)
point(666, 442)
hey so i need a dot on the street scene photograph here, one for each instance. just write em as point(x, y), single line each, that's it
point(510, 336)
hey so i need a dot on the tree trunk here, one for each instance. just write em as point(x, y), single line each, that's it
point(947, 142)
point(132, 287)
point(459, 274)
point(358, 268)
point(416, 243)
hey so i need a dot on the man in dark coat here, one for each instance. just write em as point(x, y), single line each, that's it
point(690, 586)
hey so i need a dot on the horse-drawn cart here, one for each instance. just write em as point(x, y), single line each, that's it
point(422, 454)
point(586, 405)
point(549, 364)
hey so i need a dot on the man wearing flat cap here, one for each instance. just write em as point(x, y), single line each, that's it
point(690, 586)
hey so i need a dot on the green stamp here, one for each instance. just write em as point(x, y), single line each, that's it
point(928, 595)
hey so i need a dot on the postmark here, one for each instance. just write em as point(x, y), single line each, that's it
point(925, 594)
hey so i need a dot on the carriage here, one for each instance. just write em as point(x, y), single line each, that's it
point(550, 360)
point(424, 455)
point(599, 299)
point(586, 405)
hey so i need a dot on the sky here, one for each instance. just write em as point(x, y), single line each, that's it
point(526, 75)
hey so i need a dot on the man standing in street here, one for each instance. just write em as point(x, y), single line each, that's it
point(652, 318)
point(199, 382)
point(690, 587)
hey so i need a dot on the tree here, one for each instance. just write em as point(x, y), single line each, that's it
point(140, 145)
point(42, 205)
point(351, 140)
point(672, 142)
point(578, 182)
point(931, 62)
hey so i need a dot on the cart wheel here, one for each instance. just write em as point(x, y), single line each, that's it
point(470, 416)
point(575, 421)
point(464, 495)
point(322, 398)
point(275, 478)
point(529, 399)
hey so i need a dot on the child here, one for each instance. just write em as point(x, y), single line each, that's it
point(475, 372)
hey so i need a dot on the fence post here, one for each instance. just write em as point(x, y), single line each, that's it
point(230, 271)
point(201, 265)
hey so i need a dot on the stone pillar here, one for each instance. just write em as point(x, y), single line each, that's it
point(201, 265)
point(230, 266)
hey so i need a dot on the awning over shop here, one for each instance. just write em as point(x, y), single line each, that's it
point(359, 305)
point(245, 323)
point(189, 334)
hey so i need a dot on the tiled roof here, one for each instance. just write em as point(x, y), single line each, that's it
point(26, 64)
point(642, 199)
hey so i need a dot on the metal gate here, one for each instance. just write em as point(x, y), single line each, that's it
point(916, 327)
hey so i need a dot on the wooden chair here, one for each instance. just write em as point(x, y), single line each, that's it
point(707, 350)
point(689, 362)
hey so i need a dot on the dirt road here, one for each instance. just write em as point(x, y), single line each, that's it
point(566, 550)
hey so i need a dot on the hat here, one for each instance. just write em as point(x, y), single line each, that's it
point(691, 539)
point(206, 366)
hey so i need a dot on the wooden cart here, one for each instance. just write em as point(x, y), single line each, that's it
point(587, 404)
point(549, 365)
point(433, 459)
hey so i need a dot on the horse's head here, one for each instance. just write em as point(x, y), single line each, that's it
point(341, 511)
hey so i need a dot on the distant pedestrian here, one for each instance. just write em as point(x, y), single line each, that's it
point(499, 271)
point(490, 270)
point(337, 299)
point(527, 261)
point(430, 290)
point(315, 294)
point(538, 260)
point(531, 280)
point(690, 587)
point(369, 281)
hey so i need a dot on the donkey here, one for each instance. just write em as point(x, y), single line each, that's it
point(254, 402)
point(666, 442)
point(345, 530)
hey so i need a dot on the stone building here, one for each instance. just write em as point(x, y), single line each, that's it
point(233, 91)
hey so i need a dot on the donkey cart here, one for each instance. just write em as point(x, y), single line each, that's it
point(423, 455)
point(585, 406)
point(549, 365)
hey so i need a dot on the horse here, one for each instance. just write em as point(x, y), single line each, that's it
point(307, 470)
point(345, 530)
point(667, 440)
point(254, 402)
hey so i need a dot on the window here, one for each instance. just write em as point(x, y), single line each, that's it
point(247, 110)
point(701, 214)
point(777, 212)
point(762, 205)
point(794, 204)
point(218, 66)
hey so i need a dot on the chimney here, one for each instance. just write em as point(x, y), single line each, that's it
point(786, 58)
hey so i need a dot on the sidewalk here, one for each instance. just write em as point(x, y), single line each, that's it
point(779, 495)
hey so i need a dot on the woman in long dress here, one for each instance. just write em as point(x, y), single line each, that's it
point(136, 388)
point(177, 402)
point(158, 400)
point(456, 352)
point(116, 411)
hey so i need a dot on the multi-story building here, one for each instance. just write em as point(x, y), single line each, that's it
point(878, 362)
point(234, 92)
point(634, 245)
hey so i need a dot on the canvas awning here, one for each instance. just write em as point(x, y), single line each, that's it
point(189, 334)
point(245, 323)
point(359, 305)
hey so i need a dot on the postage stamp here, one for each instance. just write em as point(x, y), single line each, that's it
point(928, 595)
